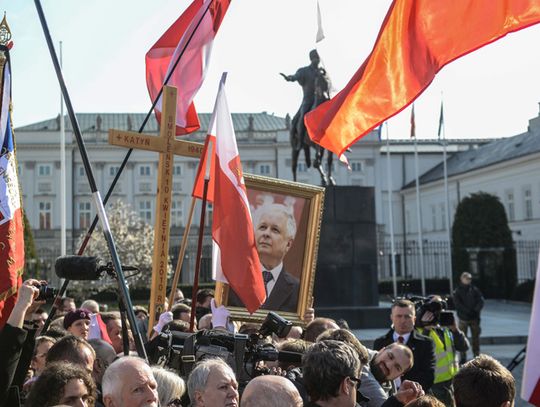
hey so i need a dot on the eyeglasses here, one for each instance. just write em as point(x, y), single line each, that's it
point(174, 403)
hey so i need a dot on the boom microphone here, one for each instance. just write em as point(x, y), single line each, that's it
point(82, 268)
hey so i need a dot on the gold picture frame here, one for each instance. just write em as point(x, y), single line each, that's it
point(305, 203)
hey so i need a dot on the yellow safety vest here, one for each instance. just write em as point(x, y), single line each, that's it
point(446, 365)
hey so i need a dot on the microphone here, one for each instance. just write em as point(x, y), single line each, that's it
point(84, 268)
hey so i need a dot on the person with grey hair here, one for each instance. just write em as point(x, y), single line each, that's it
point(212, 383)
point(275, 230)
point(91, 306)
point(170, 386)
point(271, 391)
point(129, 381)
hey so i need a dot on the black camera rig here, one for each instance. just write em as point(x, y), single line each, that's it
point(181, 350)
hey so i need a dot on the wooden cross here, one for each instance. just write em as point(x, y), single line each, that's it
point(167, 146)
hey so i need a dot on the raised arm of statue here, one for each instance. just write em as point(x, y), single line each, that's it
point(288, 78)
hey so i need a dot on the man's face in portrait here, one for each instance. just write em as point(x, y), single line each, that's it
point(272, 237)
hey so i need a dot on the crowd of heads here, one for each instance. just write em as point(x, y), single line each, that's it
point(70, 367)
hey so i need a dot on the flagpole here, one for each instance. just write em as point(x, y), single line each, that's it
point(100, 209)
point(447, 201)
point(62, 170)
point(390, 211)
point(418, 208)
point(181, 254)
point(198, 258)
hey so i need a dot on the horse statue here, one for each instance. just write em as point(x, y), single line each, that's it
point(315, 88)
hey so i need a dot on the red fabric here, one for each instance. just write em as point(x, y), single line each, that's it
point(535, 397)
point(201, 27)
point(11, 262)
point(198, 187)
point(417, 38)
point(103, 329)
point(236, 258)
point(11, 218)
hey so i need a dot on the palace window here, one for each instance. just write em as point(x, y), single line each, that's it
point(113, 170)
point(527, 200)
point(84, 214)
point(144, 171)
point(44, 170)
point(45, 215)
point(510, 205)
point(145, 210)
point(177, 214)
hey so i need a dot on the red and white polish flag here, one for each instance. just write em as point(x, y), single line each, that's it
point(193, 33)
point(234, 254)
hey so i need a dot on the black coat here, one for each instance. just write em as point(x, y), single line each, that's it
point(423, 349)
point(468, 301)
point(284, 295)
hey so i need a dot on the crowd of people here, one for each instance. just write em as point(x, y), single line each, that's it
point(82, 360)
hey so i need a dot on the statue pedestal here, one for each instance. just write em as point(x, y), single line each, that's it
point(346, 283)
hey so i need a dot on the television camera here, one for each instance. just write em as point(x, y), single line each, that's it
point(181, 350)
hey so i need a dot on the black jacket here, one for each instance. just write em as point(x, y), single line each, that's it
point(468, 301)
point(423, 349)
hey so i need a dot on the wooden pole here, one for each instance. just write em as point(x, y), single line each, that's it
point(180, 262)
point(198, 260)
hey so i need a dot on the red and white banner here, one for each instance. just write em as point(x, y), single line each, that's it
point(530, 389)
point(234, 256)
point(417, 39)
point(11, 224)
point(190, 38)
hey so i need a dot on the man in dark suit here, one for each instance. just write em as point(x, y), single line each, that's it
point(403, 316)
point(274, 234)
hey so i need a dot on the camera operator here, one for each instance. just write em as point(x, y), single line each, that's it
point(448, 340)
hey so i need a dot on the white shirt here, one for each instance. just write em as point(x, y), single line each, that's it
point(404, 336)
point(276, 271)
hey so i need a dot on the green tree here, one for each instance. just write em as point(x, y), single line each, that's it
point(481, 229)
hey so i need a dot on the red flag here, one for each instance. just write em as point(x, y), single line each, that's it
point(530, 388)
point(192, 34)
point(417, 38)
point(235, 258)
point(11, 225)
point(202, 171)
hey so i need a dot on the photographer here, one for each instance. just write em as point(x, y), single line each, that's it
point(448, 340)
point(12, 340)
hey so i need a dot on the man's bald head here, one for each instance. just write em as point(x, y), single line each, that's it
point(271, 391)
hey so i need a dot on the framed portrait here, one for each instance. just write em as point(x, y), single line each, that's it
point(286, 220)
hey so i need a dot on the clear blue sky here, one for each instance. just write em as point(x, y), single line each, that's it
point(490, 93)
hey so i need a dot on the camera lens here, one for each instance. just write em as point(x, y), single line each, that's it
point(46, 293)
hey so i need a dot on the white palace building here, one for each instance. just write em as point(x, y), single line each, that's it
point(508, 168)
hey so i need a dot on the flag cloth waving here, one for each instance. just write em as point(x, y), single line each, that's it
point(11, 225)
point(417, 38)
point(530, 389)
point(190, 39)
point(234, 257)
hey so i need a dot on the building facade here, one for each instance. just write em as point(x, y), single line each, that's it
point(263, 142)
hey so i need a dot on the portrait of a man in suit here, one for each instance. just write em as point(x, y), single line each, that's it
point(275, 230)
